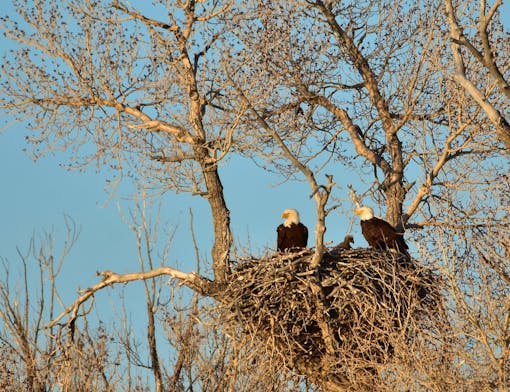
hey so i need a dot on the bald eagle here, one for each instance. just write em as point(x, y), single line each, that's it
point(379, 233)
point(291, 233)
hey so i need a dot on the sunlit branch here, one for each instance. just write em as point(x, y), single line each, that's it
point(457, 39)
point(361, 64)
point(194, 281)
point(354, 133)
point(448, 154)
point(319, 192)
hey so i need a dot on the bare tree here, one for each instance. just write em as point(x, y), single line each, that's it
point(373, 90)
point(116, 92)
point(484, 48)
point(42, 359)
point(92, 355)
point(145, 233)
point(306, 88)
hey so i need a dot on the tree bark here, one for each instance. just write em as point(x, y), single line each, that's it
point(221, 222)
point(393, 183)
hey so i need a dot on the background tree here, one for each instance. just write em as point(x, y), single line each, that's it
point(167, 93)
point(110, 355)
point(372, 99)
point(486, 70)
point(40, 359)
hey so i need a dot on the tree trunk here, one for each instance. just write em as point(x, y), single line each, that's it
point(221, 222)
point(220, 215)
point(395, 194)
point(393, 184)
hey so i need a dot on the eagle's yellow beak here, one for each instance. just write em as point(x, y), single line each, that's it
point(284, 215)
point(358, 211)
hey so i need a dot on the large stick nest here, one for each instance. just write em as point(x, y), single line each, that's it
point(355, 312)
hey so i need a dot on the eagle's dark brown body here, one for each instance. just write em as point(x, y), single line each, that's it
point(293, 236)
point(381, 235)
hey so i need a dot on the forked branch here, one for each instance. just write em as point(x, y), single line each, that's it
point(192, 280)
point(320, 193)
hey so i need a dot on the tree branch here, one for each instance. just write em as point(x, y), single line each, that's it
point(448, 153)
point(362, 66)
point(457, 38)
point(354, 133)
point(319, 192)
point(192, 280)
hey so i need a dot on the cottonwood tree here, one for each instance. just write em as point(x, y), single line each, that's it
point(374, 85)
point(166, 93)
point(477, 45)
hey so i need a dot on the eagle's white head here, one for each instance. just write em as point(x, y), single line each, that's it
point(365, 213)
point(291, 216)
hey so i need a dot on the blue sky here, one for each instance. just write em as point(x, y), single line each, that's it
point(38, 194)
point(35, 197)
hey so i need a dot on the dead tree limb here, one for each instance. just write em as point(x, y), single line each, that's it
point(192, 280)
